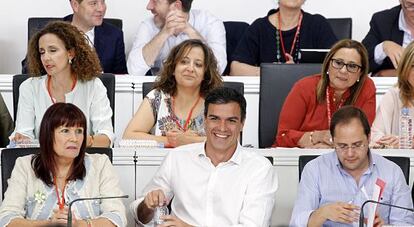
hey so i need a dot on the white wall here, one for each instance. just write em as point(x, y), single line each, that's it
point(13, 35)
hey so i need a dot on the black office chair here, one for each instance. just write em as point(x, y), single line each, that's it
point(108, 80)
point(342, 27)
point(234, 32)
point(402, 162)
point(276, 80)
point(9, 156)
point(35, 24)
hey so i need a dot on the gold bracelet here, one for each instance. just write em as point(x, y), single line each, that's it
point(311, 137)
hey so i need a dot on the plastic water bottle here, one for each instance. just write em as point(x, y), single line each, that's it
point(406, 129)
point(159, 211)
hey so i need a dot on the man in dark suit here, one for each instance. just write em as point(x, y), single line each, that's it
point(107, 40)
point(391, 30)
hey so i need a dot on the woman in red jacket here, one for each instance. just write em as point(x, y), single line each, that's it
point(307, 111)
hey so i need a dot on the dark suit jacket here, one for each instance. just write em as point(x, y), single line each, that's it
point(384, 26)
point(109, 45)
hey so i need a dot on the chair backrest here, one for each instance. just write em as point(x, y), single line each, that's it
point(238, 86)
point(402, 162)
point(108, 80)
point(342, 27)
point(9, 156)
point(234, 32)
point(35, 24)
point(276, 80)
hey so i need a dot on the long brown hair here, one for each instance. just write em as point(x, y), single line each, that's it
point(356, 88)
point(85, 64)
point(44, 163)
point(166, 80)
point(403, 72)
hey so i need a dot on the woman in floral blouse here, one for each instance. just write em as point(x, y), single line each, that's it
point(172, 113)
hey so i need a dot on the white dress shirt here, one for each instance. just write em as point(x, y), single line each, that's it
point(209, 27)
point(89, 96)
point(379, 54)
point(239, 192)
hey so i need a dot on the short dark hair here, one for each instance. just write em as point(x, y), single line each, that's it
point(224, 95)
point(186, 4)
point(347, 113)
point(43, 163)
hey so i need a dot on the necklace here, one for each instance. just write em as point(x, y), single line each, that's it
point(330, 103)
point(49, 79)
point(61, 201)
point(281, 45)
point(187, 121)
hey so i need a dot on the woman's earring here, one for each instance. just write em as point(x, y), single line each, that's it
point(358, 80)
point(70, 61)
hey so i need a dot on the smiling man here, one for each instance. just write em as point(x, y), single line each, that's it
point(107, 39)
point(215, 183)
point(174, 21)
point(334, 186)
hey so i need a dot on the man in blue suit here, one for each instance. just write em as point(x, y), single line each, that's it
point(107, 39)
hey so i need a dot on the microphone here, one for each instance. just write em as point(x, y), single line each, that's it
point(69, 224)
point(361, 214)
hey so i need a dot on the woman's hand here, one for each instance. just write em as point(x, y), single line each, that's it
point(20, 137)
point(61, 217)
point(388, 141)
point(177, 138)
point(323, 136)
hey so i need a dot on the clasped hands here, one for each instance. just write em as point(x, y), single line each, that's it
point(176, 22)
point(61, 217)
point(177, 137)
point(157, 198)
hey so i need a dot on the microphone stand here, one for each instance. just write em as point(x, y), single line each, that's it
point(69, 224)
point(361, 214)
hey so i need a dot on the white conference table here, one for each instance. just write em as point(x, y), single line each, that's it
point(136, 166)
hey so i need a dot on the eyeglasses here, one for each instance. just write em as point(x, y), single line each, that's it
point(350, 67)
point(354, 147)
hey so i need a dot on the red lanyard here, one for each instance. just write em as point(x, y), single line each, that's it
point(48, 87)
point(61, 202)
point(187, 121)
point(330, 106)
point(294, 39)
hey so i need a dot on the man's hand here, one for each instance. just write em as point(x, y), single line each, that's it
point(393, 51)
point(155, 198)
point(175, 22)
point(336, 212)
point(170, 220)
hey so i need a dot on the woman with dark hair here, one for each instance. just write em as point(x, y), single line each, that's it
point(385, 129)
point(42, 185)
point(308, 109)
point(279, 37)
point(63, 68)
point(173, 111)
